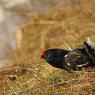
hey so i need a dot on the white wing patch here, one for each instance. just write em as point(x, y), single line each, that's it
point(68, 64)
point(82, 65)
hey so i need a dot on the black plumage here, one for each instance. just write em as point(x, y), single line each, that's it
point(71, 60)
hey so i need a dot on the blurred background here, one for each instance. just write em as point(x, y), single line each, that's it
point(44, 23)
point(29, 26)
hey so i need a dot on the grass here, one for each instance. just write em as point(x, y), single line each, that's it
point(27, 74)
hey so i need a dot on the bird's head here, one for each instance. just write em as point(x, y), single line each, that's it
point(45, 54)
point(42, 54)
point(53, 55)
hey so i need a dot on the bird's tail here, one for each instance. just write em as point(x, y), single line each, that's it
point(90, 42)
point(90, 49)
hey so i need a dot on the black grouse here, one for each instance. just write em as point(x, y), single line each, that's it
point(70, 60)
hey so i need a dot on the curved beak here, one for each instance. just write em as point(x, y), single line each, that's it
point(42, 56)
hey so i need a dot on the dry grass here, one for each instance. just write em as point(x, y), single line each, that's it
point(27, 74)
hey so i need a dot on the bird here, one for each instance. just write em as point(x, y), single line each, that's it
point(55, 57)
point(70, 60)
